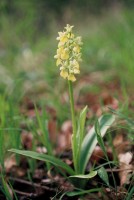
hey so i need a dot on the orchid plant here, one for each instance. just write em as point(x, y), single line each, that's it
point(68, 57)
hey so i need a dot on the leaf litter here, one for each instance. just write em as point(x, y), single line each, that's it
point(50, 183)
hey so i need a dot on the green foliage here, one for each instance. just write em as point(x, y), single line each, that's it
point(103, 175)
point(78, 138)
point(99, 138)
point(80, 180)
point(6, 189)
point(55, 161)
point(79, 192)
point(3, 108)
point(130, 194)
point(43, 125)
point(83, 176)
point(90, 140)
point(81, 129)
point(102, 172)
point(129, 123)
point(84, 152)
point(9, 128)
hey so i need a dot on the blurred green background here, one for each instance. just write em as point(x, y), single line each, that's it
point(28, 31)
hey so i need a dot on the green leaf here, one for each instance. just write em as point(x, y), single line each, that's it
point(103, 175)
point(90, 140)
point(46, 158)
point(81, 124)
point(80, 134)
point(99, 138)
point(87, 176)
point(129, 195)
point(80, 180)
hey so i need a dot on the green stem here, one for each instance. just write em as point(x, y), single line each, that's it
point(72, 106)
point(73, 122)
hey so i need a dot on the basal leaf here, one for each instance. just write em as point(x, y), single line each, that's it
point(81, 123)
point(45, 158)
point(87, 176)
point(80, 134)
point(80, 180)
point(90, 140)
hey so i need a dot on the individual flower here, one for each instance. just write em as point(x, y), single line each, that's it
point(68, 53)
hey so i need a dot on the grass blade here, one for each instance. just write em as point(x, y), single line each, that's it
point(99, 138)
point(42, 122)
point(82, 192)
point(130, 194)
point(6, 189)
point(130, 121)
point(101, 143)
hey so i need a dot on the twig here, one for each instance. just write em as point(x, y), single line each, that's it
point(32, 184)
point(25, 193)
point(119, 170)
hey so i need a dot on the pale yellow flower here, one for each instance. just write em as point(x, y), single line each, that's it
point(71, 77)
point(58, 62)
point(69, 28)
point(62, 37)
point(65, 54)
point(76, 49)
point(68, 53)
point(64, 74)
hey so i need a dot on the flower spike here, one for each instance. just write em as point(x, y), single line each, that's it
point(68, 53)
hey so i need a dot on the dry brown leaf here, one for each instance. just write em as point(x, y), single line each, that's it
point(98, 154)
point(121, 144)
point(18, 171)
point(10, 162)
point(109, 100)
point(118, 140)
point(27, 139)
point(64, 138)
point(125, 166)
point(52, 129)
